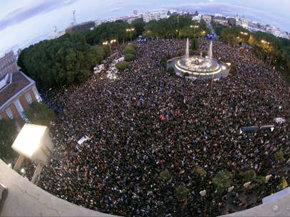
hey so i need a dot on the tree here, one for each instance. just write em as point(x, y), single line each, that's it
point(129, 49)
point(165, 175)
point(260, 179)
point(129, 57)
point(279, 156)
point(200, 171)
point(139, 26)
point(249, 175)
point(181, 192)
point(163, 62)
point(39, 113)
point(7, 135)
point(223, 180)
point(194, 44)
point(67, 60)
point(171, 71)
point(121, 66)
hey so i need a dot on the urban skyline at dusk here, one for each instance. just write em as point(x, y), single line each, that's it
point(18, 20)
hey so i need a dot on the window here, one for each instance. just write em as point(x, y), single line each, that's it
point(9, 113)
point(28, 98)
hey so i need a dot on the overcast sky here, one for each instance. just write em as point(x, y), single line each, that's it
point(25, 21)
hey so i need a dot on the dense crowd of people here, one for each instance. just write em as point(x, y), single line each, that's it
point(147, 121)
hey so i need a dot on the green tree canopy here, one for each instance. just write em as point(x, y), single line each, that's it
point(249, 175)
point(223, 180)
point(121, 66)
point(181, 192)
point(165, 175)
point(63, 61)
point(129, 57)
point(7, 137)
point(39, 113)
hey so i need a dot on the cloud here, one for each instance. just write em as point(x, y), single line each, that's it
point(21, 14)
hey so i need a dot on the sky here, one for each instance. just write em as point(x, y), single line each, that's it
point(27, 21)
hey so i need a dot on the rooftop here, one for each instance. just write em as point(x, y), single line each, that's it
point(19, 81)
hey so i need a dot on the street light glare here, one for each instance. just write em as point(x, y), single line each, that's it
point(29, 140)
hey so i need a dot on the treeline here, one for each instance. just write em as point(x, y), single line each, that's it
point(63, 61)
point(272, 49)
point(176, 27)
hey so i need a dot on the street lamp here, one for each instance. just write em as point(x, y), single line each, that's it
point(244, 33)
point(33, 142)
point(130, 30)
point(194, 27)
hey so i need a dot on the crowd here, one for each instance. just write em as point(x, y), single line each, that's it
point(147, 121)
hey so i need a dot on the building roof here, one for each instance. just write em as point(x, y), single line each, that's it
point(19, 82)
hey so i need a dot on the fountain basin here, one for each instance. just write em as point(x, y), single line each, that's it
point(197, 67)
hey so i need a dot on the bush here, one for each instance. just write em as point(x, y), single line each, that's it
point(194, 44)
point(129, 49)
point(249, 175)
point(121, 66)
point(129, 57)
point(171, 70)
point(7, 135)
point(163, 62)
point(279, 156)
point(260, 179)
point(200, 171)
point(181, 192)
point(223, 180)
point(165, 175)
point(39, 113)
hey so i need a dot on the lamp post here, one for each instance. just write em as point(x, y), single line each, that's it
point(109, 43)
point(194, 27)
point(130, 31)
point(33, 142)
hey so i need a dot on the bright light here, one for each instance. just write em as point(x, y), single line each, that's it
point(244, 33)
point(10, 165)
point(105, 43)
point(22, 170)
point(29, 140)
point(194, 26)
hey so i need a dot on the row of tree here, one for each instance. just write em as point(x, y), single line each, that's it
point(268, 47)
point(176, 26)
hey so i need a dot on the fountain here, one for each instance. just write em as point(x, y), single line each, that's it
point(198, 67)
point(210, 51)
point(187, 49)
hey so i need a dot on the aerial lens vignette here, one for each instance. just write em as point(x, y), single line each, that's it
point(146, 108)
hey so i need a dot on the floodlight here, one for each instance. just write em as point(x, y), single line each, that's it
point(33, 142)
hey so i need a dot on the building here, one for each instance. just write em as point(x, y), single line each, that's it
point(8, 64)
point(276, 31)
point(207, 18)
point(196, 17)
point(242, 22)
point(148, 16)
point(221, 20)
point(17, 92)
point(232, 21)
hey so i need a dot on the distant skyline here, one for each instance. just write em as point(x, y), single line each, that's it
point(26, 21)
